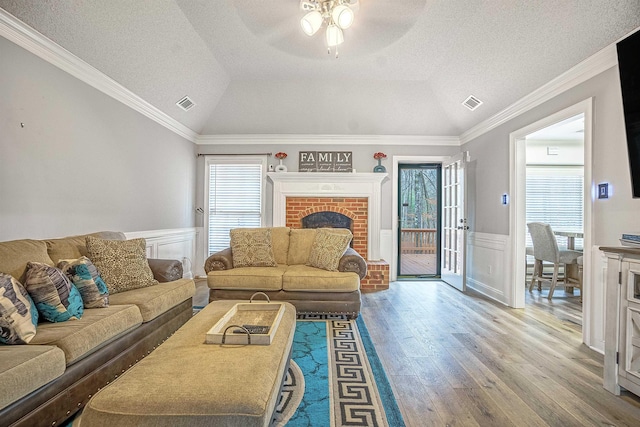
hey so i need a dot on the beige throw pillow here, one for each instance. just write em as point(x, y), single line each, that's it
point(122, 263)
point(251, 247)
point(327, 249)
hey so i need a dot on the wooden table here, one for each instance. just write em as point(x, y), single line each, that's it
point(571, 237)
point(571, 270)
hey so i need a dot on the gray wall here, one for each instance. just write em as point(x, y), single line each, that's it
point(489, 175)
point(83, 162)
point(363, 161)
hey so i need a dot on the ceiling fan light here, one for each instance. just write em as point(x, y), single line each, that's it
point(343, 16)
point(311, 22)
point(334, 35)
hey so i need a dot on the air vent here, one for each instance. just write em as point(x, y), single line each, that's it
point(185, 103)
point(472, 102)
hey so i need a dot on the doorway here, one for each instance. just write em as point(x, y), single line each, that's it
point(419, 220)
point(517, 208)
point(554, 195)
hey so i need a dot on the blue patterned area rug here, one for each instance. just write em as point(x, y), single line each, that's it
point(336, 378)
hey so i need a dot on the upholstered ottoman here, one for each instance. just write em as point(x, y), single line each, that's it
point(185, 382)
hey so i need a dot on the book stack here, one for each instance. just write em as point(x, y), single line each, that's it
point(630, 239)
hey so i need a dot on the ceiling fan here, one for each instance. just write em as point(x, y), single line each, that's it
point(337, 15)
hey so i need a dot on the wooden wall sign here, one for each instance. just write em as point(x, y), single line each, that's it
point(325, 161)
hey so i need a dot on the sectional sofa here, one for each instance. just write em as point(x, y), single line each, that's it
point(45, 382)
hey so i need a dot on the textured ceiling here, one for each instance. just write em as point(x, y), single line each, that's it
point(404, 68)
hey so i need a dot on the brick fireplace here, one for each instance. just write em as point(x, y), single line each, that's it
point(354, 208)
point(357, 196)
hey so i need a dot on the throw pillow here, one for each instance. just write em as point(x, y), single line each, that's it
point(251, 247)
point(18, 314)
point(85, 276)
point(56, 298)
point(327, 249)
point(122, 263)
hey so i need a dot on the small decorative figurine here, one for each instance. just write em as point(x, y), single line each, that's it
point(379, 156)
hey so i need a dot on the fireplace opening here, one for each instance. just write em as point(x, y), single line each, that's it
point(326, 219)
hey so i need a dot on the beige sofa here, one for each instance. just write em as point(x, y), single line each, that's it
point(309, 289)
point(47, 381)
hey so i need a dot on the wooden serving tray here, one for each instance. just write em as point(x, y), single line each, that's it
point(264, 314)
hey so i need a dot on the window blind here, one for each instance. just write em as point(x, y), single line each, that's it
point(234, 198)
point(555, 195)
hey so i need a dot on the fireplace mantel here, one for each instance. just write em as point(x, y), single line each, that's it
point(331, 184)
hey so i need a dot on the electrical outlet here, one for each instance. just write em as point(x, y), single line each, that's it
point(489, 270)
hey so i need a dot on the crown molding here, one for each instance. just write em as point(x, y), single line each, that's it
point(289, 139)
point(589, 68)
point(26, 37)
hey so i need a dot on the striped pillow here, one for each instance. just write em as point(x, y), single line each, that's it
point(85, 276)
point(56, 298)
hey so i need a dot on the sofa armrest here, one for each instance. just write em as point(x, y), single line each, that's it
point(165, 270)
point(222, 260)
point(353, 261)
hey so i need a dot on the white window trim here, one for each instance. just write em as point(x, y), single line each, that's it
point(209, 160)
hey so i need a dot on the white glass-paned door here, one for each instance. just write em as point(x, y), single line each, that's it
point(454, 222)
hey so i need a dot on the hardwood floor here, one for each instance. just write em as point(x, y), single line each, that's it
point(458, 359)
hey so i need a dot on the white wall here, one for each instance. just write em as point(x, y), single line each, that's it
point(568, 152)
point(83, 161)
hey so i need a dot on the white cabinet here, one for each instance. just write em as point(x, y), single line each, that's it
point(622, 320)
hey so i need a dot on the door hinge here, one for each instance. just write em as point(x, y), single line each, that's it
point(617, 358)
point(619, 277)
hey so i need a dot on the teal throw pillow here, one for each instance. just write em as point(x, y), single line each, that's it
point(56, 298)
point(85, 276)
point(18, 314)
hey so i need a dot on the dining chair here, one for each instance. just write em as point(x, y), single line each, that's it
point(545, 249)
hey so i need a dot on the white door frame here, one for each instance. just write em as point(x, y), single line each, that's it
point(517, 207)
point(394, 201)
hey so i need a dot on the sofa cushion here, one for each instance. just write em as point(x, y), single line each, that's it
point(74, 247)
point(56, 298)
point(26, 368)
point(304, 278)
point(18, 314)
point(251, 278)
point(251, 247)
point(122, 263)
point(97, 327)
point(154, 300)
point(280, 243)
point(300, 241)
point(327, 249)
point(15, 254)
point(85, 276)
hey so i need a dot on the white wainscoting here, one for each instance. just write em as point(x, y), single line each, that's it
point(386, 245)
point(177, 243)
point(595, 312)
point(487, 266)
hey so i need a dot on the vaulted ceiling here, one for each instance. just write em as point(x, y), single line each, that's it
point(404, 68)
